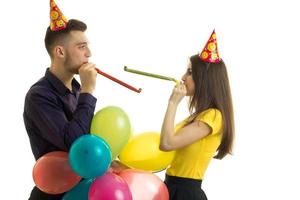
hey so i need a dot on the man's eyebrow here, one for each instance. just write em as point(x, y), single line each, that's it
point(81, 43)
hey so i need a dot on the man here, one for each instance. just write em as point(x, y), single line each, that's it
point(57, 109)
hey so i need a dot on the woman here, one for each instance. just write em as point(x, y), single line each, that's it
point(208, 132)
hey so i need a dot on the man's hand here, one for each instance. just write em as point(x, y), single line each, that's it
point(116, 167)
point(88, 74)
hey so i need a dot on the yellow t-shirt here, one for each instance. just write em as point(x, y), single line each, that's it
point(191, 161)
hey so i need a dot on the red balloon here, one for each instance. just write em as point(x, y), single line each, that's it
point(145, 185)
point(53, 174)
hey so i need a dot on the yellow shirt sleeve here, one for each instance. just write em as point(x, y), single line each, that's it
point(213, 118)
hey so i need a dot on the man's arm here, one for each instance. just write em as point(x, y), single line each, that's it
point(48, 116)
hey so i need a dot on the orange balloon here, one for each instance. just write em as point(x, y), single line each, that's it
point(145, 185)
point(53, 174)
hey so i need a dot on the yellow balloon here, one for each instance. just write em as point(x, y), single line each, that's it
point(112, 124)
point(142, 152)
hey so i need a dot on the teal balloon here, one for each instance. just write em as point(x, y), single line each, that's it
point(80, 191)
point(113, 125)
point(90, 156)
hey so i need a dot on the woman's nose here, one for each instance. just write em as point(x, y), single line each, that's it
point(183, 78)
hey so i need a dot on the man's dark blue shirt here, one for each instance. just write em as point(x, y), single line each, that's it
point(54, 116)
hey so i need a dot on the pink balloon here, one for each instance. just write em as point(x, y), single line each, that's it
point(145, 185)
point(53, 174)
point(109, 187)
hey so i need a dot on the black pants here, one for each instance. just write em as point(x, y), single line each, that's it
point(184, 188)
point(37, 194)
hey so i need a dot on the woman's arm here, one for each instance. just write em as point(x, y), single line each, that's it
point(196, 130)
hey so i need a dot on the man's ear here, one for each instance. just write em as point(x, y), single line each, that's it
point(59, 51)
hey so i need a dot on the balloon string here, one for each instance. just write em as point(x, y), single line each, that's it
point(118, 81)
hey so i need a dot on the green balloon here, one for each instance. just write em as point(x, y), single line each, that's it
point(112, 124)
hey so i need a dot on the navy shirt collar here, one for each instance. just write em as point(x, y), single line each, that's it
point(58, 84)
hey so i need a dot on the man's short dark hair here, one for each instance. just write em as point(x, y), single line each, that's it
point(55, 37)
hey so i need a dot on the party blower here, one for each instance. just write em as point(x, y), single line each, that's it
point(150, 74)
point(118, 81)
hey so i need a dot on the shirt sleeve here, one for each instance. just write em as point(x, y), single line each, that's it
point(213, 118)
point(47, 114)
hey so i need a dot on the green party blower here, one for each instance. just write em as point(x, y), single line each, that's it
point(150, 75)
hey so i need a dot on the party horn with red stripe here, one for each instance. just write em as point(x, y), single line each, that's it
point(118, 81)
point(150, 74)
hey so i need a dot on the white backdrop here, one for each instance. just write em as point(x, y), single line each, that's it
point(258, 40)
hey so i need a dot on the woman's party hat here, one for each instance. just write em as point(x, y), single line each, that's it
point(210, 51)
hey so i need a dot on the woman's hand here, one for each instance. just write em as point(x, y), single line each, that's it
point(178, 93)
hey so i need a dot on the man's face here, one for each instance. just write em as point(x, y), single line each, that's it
point(77, 51)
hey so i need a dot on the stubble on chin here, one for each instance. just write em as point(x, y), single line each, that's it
point(74, 69)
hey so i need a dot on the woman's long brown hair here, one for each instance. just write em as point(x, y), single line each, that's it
point(212, 90)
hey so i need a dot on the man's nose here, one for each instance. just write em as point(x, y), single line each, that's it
point(88, 52)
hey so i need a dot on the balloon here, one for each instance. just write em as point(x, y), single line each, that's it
point(113, 125)
point(145, 185)
point(80, 191)
point(53, 174)
point(109, 187)
point(142, 152)
point(90, 156)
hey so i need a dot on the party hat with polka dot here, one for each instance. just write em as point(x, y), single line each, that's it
point(210, 52)
point(57, 20)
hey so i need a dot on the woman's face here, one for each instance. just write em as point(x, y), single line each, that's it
point(188, 81)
